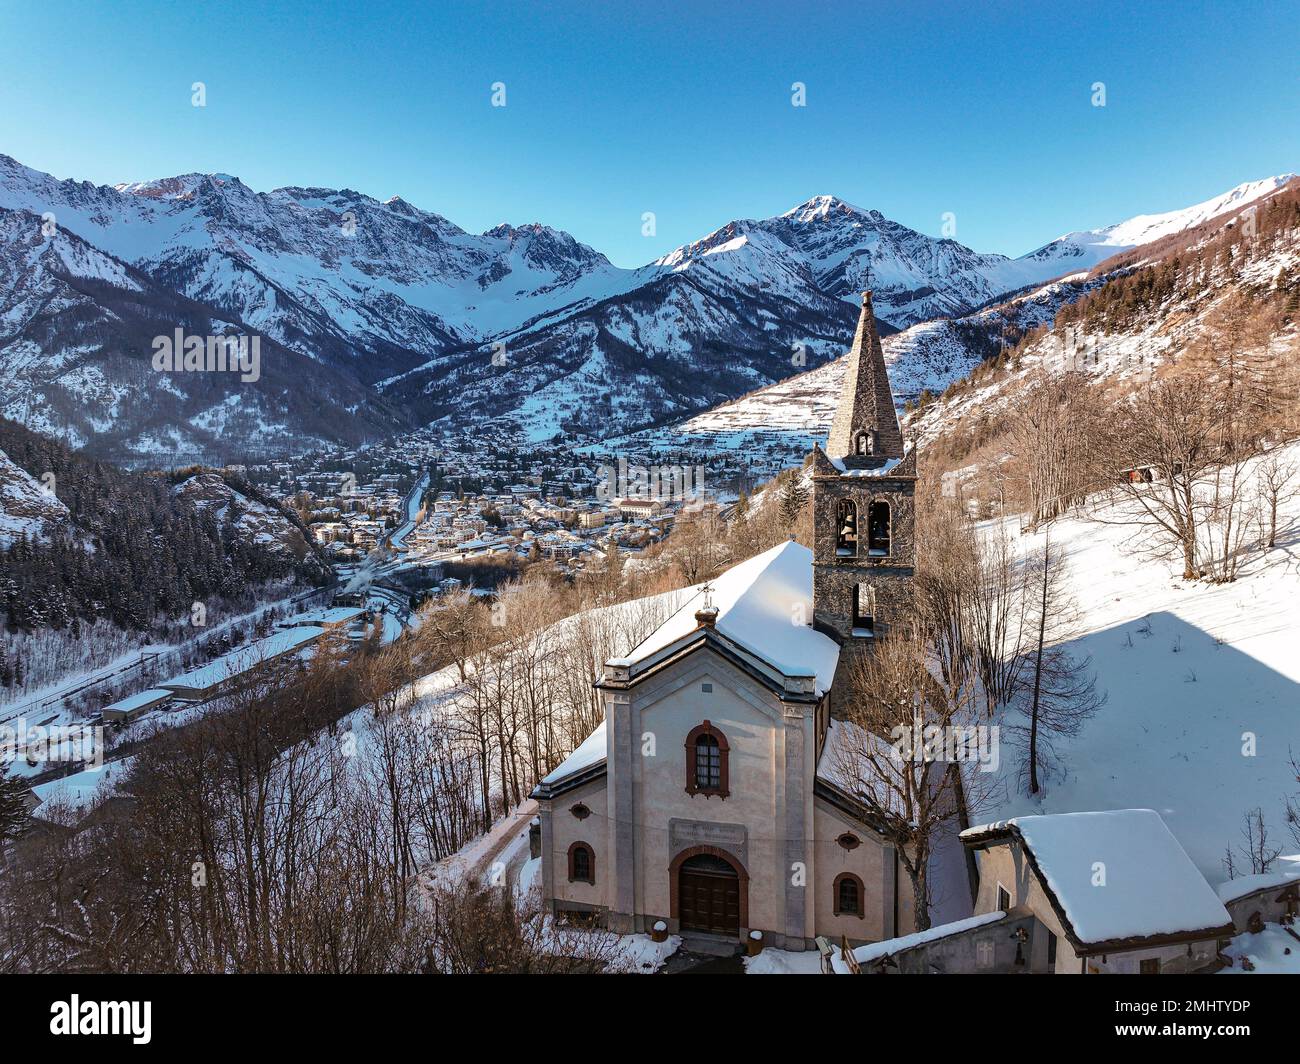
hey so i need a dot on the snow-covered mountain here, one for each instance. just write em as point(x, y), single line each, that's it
point(396, 316)
point(1215, 286)
point(334, 274)
point(930, 356)
point(843, 250)
point(716, 318)
point(1085, 249)
point(794, 412)
point(76, 340)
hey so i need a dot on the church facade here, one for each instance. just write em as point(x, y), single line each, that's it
point(711, 797)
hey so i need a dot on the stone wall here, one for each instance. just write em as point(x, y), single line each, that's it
point(834, 576)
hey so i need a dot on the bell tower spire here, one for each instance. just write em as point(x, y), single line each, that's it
point(865, 431)
point(864, 512)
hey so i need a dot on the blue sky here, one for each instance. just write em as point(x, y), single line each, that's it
point(613, 109)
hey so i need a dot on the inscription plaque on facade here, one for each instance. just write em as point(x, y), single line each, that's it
point(730, 837)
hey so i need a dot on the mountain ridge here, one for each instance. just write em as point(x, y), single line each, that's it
point(401, 317)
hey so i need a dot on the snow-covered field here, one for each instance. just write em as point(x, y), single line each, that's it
point(1203, 683)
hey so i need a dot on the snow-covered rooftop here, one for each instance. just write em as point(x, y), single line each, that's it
point(135, 701)
point(885, 469)
point(245, 658)
point(1287, 871)
point(764, 605)
point(854, 761)
point(333, 615)
point(77, 792)
point(873, 951)
point(591, 751)
point(1118, 874)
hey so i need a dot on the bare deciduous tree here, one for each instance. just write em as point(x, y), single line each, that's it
point(1168, 433)
point(882, 760)
point(1278, 483)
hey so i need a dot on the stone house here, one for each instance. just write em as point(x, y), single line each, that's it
point(1110, 892)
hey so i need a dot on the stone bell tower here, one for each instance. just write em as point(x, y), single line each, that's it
point(864, 506)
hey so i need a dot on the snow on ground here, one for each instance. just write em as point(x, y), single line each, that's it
point(1194, 672)
point(1272, 951)
point(640, 954)
point(623, 954)
point(487, 857)
point(783, 962)
point(528, 876)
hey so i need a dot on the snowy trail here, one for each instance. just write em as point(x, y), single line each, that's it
point(490, 859)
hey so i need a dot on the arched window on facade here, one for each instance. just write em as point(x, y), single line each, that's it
point(846, 529)
point(707, 754)
point(864, 609)
point(582, 863)
point(878, 529)
point(866, 443)
point(848, 895)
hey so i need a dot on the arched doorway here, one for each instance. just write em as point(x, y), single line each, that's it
point(710, 891)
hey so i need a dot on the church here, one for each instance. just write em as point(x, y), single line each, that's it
point(708, 799)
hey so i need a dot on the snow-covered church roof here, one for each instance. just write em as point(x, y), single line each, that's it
point(1114, 877)
point(765, 606)
point(590, 752)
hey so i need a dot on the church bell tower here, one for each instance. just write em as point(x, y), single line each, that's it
point(864, 506)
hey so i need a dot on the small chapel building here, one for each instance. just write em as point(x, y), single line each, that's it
point(709, 797)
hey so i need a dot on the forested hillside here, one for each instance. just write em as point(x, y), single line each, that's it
point(132, 551)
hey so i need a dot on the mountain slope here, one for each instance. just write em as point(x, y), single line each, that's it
point(842, 250)
point(26, 508)
point(334, 274)
point(132, 550)
point(925, 358)
point(1166, 307)
point(77, 329)
point(1085, 249)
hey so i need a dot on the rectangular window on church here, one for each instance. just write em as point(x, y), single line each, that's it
point(708, 766)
